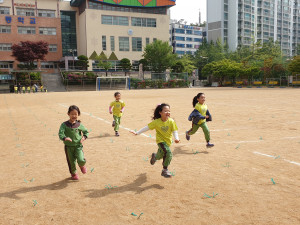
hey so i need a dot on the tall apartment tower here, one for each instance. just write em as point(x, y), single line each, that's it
point(243, 22)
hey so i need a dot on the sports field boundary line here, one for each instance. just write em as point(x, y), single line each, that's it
point(274, 157)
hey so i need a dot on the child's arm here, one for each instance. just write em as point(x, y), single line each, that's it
point(144, 129)
point(85, 133)
point(176, 136)
point(110, 110)
point(61, 133)
point(122, 110)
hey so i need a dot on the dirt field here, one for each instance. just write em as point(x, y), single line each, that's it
point(251, 176)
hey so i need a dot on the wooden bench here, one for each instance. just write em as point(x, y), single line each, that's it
point(257, 82)
point(273, 82)
point(295, 82)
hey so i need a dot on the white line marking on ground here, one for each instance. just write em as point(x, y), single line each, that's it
point(271, 156)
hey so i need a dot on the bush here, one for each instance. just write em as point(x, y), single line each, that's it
point(35, 76)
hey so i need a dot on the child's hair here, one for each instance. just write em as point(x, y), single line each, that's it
point(74, 107)
point(158, 109)
point(195, 101)
point(117, 93)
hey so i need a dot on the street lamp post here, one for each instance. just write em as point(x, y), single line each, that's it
point(72, 51)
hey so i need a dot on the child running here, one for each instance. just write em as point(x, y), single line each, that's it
point(199, 117)
point(118, 109)
point(164, 127)
point(73, 133)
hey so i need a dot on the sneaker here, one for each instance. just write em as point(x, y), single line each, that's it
point(75, 176)
point(83, 169)
point(153, 159)
point(113, 123)
point(117, 134)
point(188, 137)
point(209, 145)
point(166, 173)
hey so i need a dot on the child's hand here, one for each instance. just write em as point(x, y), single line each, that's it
point(177, 141)
point(110, 112)
point(68, 139)
point(206, 117)
point(82, 139)
point(121, 111)
point(133, 132)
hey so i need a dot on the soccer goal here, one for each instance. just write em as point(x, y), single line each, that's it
point(112, 83)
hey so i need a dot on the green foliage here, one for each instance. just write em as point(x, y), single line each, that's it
point(145, 64)
point(105, 64)
point(159, 55)
point(113, 57)
point(222, 69)
point(82, 62)
point(294, 65)
point(141, 84)
point(35, 76)
point(90, 75)
point(125, 64)
point(93, 56)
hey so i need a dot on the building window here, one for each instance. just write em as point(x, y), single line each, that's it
point(115, 20)
point(180, 45)
point(189, 46)
point(48, 65)
point(124, 44)
point(26, 30)
point(198, 39)
point(104, 43)
point(25, 12)
point(68, 32)
point(112, 43)
point(47, 31)
point(180, 52)
point(143, 22)
point(52, 48)
point(179, 31)
point(189, 32)
point(197, 32)
point(5, 47)
point(46, 13)
point(189, 39)
point(5, 29)
point(136, 44)
point(4, 10)
point(6, 65)
point(147, 41)
point(177, 38)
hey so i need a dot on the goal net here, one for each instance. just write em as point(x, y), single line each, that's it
point(112, 83)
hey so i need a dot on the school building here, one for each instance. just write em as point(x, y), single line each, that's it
point(82, 27)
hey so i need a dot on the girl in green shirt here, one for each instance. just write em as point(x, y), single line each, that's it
point(73, 134)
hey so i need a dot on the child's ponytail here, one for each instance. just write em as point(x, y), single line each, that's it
point(195, 99)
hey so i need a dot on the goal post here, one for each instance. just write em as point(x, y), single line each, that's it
point(112, 83)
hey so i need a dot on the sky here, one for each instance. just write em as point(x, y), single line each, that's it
point(189, 10)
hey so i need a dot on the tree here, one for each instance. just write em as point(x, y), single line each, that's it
point(29, 51)
point(105, 64)
point(159, 55)
point(184, 64)
point(222, 69)
point(125, 64)
point(82, 62)
point(294, 65)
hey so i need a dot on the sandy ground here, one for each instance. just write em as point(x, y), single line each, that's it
point(256, 133)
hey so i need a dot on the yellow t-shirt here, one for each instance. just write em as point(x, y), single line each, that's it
point(28, 88)
point(117, 106)
point(202, 108)
point(164, 130)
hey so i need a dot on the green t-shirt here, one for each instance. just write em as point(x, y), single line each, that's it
point(74, 131)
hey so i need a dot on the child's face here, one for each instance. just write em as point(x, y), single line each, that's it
point(201, 99)
point(165, 113)
point(118, 97)
point(73, 116)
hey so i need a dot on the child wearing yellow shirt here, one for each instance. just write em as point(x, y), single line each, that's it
point(165, 129)
point(118, 108)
